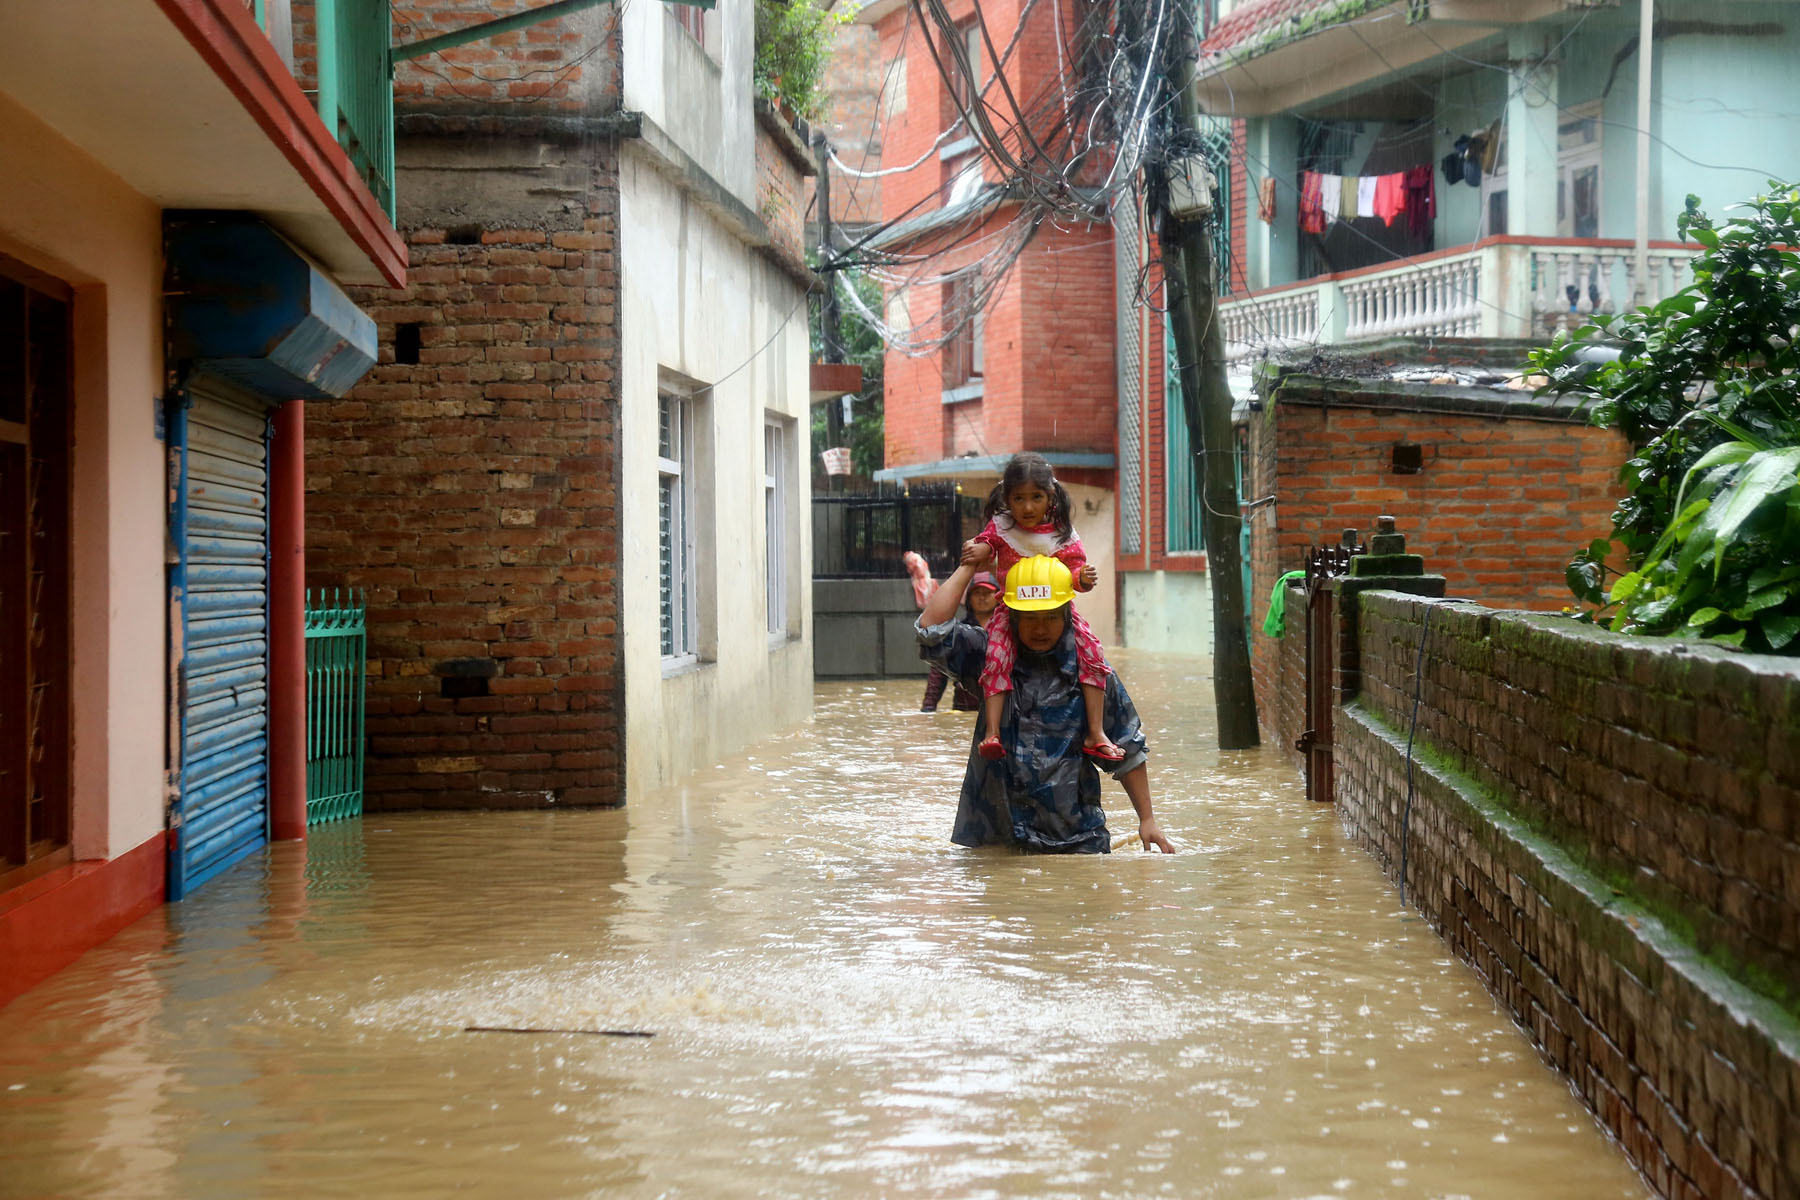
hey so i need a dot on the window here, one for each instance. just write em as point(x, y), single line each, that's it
point(675, 526)
point(1577, 178)
point(1182, 523)
point(35, 592)
point(963, 177)
point(692, 18)
point(961, 161)
point(776, 553)
point(962, 353)
point(966, 87)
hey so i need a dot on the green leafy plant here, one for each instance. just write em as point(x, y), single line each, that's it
point(793, 46)
point(863, 346)
point(1704, 384)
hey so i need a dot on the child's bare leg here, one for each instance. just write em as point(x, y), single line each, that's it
point(1095, 700)
point(993, 707)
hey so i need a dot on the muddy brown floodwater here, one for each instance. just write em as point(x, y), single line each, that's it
point(843, 1003)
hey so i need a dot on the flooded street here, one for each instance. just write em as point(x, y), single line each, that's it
point(842, 1003)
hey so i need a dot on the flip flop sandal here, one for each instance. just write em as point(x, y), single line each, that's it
point(1105, 752)
point(991, 749)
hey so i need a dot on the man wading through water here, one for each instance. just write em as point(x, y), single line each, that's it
point(1045, 795)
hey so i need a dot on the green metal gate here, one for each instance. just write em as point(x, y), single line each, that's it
point(336, 644)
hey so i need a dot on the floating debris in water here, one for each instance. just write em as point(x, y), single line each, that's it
point(619, 1033)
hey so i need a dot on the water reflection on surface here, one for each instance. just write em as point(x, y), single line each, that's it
point(844, 1004)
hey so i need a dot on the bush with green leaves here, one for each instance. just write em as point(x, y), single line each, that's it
point(863, 346)
point(793, 46)
point(1705, 386)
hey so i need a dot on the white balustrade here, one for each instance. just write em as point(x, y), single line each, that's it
point(1439, 298)
point(1533, 290)
point(1278, 322)
point(1571, 283)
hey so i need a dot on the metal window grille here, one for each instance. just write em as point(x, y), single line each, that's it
point(1126, 269)
point(1182, 526)
point(1216, 145)
point(675, 533)
point(336, 648)
point(863, 536)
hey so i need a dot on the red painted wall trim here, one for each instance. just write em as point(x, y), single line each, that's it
point(287, 623)
point(50, 922)
point(228, 38)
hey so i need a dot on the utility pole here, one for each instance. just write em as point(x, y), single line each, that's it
point(1192, 281)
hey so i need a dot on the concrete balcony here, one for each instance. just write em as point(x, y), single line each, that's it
point(1505, 287)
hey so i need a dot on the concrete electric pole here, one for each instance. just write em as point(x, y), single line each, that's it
point(1191, 275)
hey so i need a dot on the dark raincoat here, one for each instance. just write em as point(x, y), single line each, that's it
point(1045, 794)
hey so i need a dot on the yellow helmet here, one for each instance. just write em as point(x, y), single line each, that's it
point(1039, 584)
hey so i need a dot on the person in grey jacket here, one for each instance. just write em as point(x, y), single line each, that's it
point(1045, 796)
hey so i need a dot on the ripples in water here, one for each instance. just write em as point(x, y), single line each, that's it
point(843, 1003)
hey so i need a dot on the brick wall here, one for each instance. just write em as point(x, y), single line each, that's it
point(1603, 827)
point(854, 85)
point(551, 66)
point(472, 494)
point(784, 170)
point(469, 482)
point(1508, 490)
point(1049, 382)
point(1238, 198)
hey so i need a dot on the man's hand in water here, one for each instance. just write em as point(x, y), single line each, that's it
point(975, 554)
point(1151, 834)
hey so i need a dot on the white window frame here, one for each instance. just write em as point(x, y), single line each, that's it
point(777, 552)
point(1571, 158)
point(679, 630)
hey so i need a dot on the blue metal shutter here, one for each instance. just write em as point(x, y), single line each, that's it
point(223, 809)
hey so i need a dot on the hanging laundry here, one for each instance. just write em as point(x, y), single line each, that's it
point(1265, 200)
point(1365, 196)
point(1420, 200)
point(1331, 195)
point(1347, 205)
point(1453, 162)
point(1312, 214)
point(1390, 196)
point(1490, 152)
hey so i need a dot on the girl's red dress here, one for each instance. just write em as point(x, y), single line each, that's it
point(1010, 544)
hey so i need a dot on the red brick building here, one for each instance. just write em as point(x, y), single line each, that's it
point(852, 124)
point(1026, 360)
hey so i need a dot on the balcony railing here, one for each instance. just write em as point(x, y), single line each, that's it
point(356, 90)
point(1501, 288)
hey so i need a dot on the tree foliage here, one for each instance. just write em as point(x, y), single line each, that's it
point(863, 346)
point(793, 47)
point(1704, 385)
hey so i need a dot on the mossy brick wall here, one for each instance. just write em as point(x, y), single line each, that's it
point(1676, 769)
point(1604, 828)
point(782, 194)
point(472, 493)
